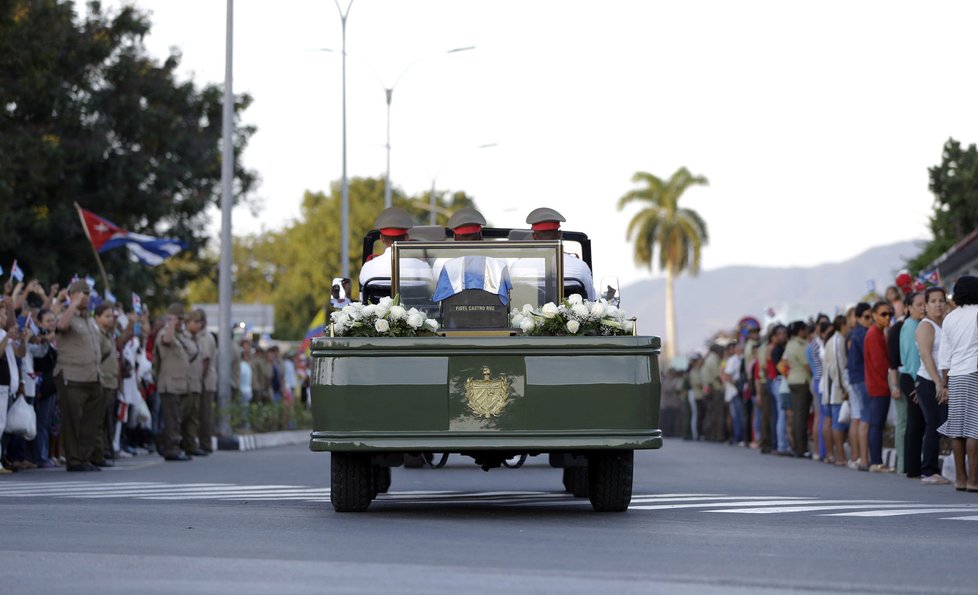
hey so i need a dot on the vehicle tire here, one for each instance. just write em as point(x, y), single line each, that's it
point(576, 482)
point(352, 482)
point(382, 479)
point(413, 461)
point(610, 480)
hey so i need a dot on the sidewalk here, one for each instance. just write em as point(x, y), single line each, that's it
point(266, 440)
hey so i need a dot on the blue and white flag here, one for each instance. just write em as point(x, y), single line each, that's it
point(109, 297)
point(474, 272)
point(16, 273)
point(146, 249)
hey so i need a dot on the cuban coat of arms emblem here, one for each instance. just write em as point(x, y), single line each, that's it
point(486, 397)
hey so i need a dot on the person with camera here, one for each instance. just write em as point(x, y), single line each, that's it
point(78, 378)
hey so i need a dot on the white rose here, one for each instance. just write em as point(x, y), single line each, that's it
point(518, 320)
point(598, 310)
point(527, 325)
point(385, 303)
point(432, 324)
point(575, 299)
point(550, 309)
point(382, 326)
point(611, 311)
point(414, 320)
point(573, 326)
point(627, 326)
point(369, 310)
point(398, 313)
point(580, 310)
point(527, 308)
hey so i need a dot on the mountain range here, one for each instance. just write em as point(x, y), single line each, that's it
point(717, 299)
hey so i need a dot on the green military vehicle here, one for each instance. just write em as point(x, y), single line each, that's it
point(464, 360)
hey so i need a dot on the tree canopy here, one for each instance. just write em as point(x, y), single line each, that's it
point(954, 183)
point(87, 116)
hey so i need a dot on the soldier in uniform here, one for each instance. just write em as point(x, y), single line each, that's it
point(172, 351)
point(190, 406)
point(78, 378)
point(713, 394)
point(109, 365)
point(545, 224)
point(208, 355)
point(393, 224)
point(466, 225)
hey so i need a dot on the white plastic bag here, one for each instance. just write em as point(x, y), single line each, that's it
point(845, 413)
point(21, 419)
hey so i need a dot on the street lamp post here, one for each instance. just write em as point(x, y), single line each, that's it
point(389, 95)
point(224, 360)
point(344, 183)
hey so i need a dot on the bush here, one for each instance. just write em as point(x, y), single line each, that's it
point(270, 416)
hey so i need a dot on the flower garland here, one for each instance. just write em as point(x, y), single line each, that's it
point(388, 318)
point(574, 316)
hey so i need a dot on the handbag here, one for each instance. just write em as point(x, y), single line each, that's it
point(21, 419)
point(845, 412)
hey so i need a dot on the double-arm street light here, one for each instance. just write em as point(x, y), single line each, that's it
point(344, 184)
point(389, 95)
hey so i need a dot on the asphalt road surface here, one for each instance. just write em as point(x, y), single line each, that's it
point(704, 518)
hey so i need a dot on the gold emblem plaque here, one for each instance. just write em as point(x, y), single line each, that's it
point(486, 397)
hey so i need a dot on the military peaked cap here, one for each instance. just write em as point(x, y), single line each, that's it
point(394, 221)
point(544, 219)
point(467, 220)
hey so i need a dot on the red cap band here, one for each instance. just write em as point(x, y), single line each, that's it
point(393, 231)
point(545, 226)
point(465, 229)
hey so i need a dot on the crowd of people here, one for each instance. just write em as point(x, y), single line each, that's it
point(104, 383)
point(823, 388)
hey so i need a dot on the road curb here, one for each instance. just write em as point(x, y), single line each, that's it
point(267, 440)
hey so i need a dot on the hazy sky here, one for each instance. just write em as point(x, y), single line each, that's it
point(815, 122)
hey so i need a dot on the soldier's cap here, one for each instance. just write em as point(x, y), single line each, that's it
point(197, 315)
point(394, 221)
point(544, 219)
point(79, 285)
point(176, 309)
point(465, 221)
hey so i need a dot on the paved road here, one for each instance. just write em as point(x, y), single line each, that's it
point(704, 518)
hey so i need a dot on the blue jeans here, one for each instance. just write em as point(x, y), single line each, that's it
point(781, 423)
point(737, 415)
point(44, 409)
point(878, 408)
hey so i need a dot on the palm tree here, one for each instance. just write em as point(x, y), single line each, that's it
point(678, 234)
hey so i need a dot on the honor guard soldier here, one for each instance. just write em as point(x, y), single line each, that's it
point(545, 224)
point(466, 225)
point(393, 224)
point(208, 357)
point(78, 377)
point(172, 358)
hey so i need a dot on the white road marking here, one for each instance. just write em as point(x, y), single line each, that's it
point(899, 512)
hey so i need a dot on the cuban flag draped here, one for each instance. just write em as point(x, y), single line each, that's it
point(106, 235)
point(474, 272)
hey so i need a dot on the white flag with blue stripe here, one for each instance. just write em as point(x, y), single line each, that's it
point(147, 249)
point(474, 272)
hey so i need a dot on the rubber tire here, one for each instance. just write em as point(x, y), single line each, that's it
point(610, 480)
point(352, 482)
point(413, 462)
point(576, 481)
point(382, 479)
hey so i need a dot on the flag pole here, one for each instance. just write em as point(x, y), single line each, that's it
point(98, 259)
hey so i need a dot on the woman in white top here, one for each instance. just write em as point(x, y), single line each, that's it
point(931, 390)
point(836, 381)
point(958, 361)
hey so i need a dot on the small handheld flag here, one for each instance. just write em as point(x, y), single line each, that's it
point(16, 273)
point(137, 304)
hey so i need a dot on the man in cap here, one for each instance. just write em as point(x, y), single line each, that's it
point(393, 224)
point(545, 224)
point(197, 325)
point(78, 378)
point(466, 225)
point(173, 352)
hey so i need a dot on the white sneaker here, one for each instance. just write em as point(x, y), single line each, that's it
point(854, 465)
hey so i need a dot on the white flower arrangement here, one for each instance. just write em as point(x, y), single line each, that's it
point(388, 318)
point(574, 316)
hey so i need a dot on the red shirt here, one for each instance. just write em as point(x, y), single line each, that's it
point(877, 363)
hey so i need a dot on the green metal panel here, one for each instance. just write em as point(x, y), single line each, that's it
point(488, 392)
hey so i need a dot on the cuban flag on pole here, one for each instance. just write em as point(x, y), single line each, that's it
point(16, 273)
point(106, 235)
point(474, 272)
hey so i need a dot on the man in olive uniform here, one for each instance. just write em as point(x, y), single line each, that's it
point(172, 351)
point(190, 405)
point(713, 394)
point(78, 378)
point(208, 355)
point(545, 224)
